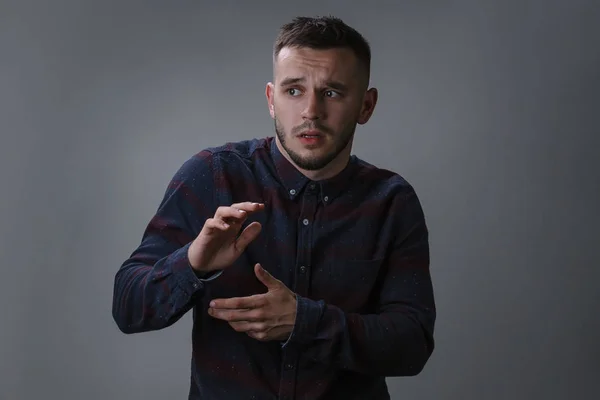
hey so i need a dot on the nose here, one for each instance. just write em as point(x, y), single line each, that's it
point(314, 107)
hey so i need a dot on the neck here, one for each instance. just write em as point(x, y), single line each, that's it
point(336, 166)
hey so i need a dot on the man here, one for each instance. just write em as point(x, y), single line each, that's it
point(307, 269)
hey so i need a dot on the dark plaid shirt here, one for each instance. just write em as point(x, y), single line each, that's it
point(353, 248)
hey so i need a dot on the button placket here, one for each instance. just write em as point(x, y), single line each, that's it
point(309, 202)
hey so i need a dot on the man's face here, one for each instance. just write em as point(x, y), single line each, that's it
point(316, 100)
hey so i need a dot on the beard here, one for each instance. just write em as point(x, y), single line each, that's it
point(315, 163)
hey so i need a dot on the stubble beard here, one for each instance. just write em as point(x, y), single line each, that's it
point(315, 163)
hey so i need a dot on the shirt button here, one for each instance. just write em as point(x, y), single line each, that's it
point(303, 269)
point(326, 198)
point(293, 192)
point(305, 222)
point(289, 366)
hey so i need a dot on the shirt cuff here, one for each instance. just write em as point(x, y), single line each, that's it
point(308, 315)
point(187, 278)
point(209, 276)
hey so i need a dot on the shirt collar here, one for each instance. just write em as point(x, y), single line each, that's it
point(294, 181)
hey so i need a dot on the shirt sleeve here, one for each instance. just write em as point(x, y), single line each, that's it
point(396, 339)
point(156, 285)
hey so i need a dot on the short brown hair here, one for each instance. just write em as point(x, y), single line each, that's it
point(323, 33)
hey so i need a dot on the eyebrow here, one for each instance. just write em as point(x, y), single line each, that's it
point(332, 84)
point(291, 81)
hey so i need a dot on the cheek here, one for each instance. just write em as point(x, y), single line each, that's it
point(288, 109)
point(342, 114)
point(286, 117)
point(281, 124)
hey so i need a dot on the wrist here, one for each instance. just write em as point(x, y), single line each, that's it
point(308, 315)
point(192, 257)
point(293, 309)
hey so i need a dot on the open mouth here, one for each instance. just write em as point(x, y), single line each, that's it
point(311, 140)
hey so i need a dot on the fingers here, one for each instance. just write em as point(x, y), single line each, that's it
point(266, 278)
point(230, 214)
point(213, 224)
point(259, 335)
point(238, 210)
point(252, 315)
point(249, 326)
point(249, 207)
point(250, 233)
point(251, 322)
point(256, 330)
point(236, 214)
point(237, 303)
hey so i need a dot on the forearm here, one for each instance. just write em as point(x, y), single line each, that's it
point(151, 293)
point(156, 285)
point(393, 343)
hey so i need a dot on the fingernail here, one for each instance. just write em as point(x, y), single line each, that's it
point(212, 304)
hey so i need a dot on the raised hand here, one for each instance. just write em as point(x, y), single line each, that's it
point(218, 245)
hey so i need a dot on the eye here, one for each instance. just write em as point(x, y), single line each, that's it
point(332, 93)
point(293, 92)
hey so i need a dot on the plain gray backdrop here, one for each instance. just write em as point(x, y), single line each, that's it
point(489, 108)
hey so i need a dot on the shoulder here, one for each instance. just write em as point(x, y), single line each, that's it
point(390, 191)
point(384, 181)
point(211, 159)
point(245, 149)
point(396, 195)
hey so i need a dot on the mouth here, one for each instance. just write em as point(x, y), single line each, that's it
point(311, 135)
point(311, 138)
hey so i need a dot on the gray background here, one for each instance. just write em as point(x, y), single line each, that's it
point(489, 108)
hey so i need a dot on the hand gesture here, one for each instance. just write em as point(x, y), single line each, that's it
point(266, 316)
point(218, 245)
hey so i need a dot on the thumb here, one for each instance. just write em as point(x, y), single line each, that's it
point(265, 277)
point(250, 233)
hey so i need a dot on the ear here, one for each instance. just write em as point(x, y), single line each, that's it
point(368, 106)
point(269, 92)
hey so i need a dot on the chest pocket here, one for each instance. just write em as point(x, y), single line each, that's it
point(347, 284)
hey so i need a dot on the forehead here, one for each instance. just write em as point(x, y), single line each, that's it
point(316, 64)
